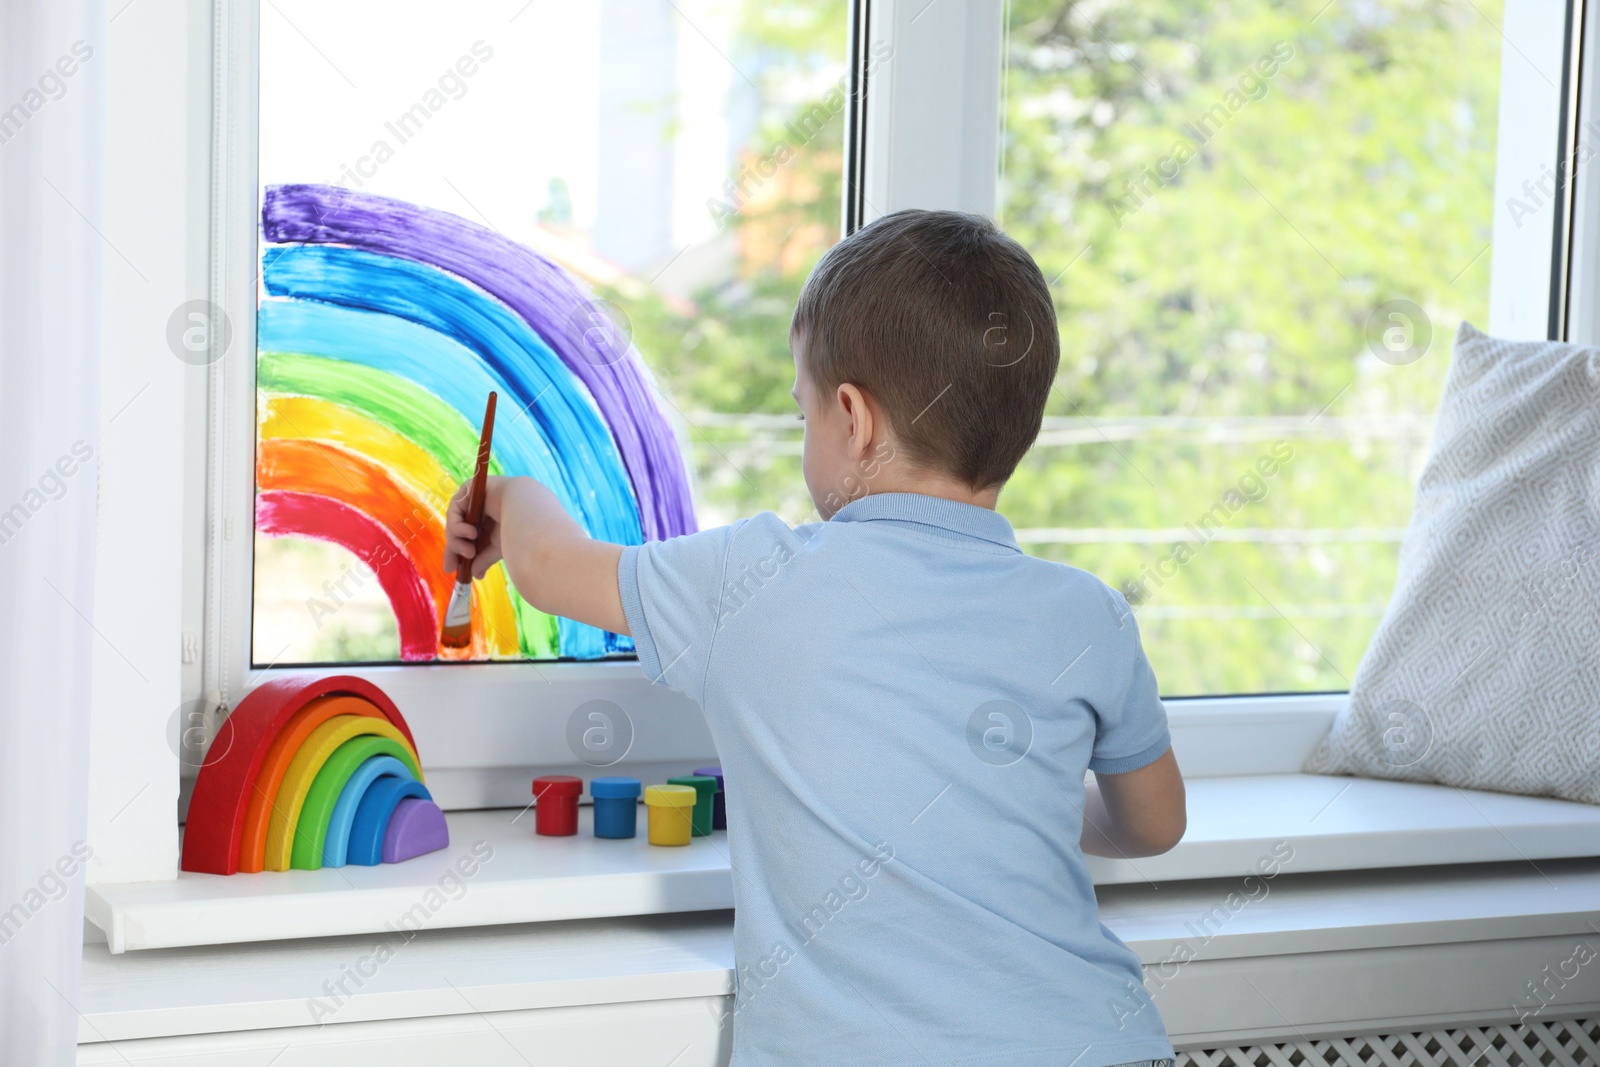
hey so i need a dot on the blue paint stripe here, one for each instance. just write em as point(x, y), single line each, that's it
point(516, 356)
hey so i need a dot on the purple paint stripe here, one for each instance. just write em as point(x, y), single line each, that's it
point(541, 292)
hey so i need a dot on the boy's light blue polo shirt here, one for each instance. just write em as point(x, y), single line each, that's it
point(904, 705)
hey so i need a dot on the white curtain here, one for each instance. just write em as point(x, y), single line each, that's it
point(51, 106)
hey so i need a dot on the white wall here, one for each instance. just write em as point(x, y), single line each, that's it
point(133, 774)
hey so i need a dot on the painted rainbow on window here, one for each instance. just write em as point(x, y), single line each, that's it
point(309, 773)
point(381, 329)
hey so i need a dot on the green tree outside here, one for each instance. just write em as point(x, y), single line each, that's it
point(1214, 310)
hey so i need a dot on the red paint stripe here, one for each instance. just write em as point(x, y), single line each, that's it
point(326, 469)
point(281, 513)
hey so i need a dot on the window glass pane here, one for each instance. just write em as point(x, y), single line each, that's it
point(1264, 222)
point(458, 197)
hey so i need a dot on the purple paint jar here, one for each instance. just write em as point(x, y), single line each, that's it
point(719, 803)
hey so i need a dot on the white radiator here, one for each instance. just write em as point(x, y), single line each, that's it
point(1556, 1043)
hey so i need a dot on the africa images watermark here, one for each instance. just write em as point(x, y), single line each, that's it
point(353, 977)
point(1548, 589)
point(52, 485)
point(739, 589)
point(851, 888)
point(749, 179)
point(1251, 86)
point(52, 85)
point(337, 592)
point(52, 887)
point(1253, 889)
point(450, 85)
point(1545, 988)
point(1251, 488)
point(857, 482)
point(1537, 193)
point(599, 733)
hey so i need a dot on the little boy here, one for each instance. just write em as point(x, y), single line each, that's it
point(904, 704)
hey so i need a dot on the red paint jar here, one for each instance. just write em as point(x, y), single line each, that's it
point(555, 810)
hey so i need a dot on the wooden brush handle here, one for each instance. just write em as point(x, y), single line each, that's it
point(479, 491)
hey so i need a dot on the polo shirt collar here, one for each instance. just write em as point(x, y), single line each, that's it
point(966, 520)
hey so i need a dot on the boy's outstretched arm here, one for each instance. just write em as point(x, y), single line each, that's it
point(554, 564)
point(1140, 813)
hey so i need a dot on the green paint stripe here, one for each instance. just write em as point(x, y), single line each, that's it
point(415, 413)
point(385, 398)
point(537, 632)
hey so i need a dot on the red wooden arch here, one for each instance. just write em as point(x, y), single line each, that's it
point(222, 791)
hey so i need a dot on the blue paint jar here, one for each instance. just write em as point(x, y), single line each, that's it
point(719, 811)
point(616, 806)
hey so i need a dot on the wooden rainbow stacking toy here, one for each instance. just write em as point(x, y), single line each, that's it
point(309, 773)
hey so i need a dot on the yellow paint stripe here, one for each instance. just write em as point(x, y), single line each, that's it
point(314, 419)
point(492, 596)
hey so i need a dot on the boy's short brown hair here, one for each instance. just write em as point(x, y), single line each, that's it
point(949, 324)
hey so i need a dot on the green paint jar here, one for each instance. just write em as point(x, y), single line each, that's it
point(705, 799)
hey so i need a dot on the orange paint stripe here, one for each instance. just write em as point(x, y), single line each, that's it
point(327, 470)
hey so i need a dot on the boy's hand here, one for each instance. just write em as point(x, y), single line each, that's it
point(1140, 813)
point(549, 558)
point(481, 543)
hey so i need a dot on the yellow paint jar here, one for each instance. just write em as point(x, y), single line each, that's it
point(671, 810)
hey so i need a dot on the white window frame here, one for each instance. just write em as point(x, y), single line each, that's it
point(485, 729)
point(1577, 316)
point(932, 111)
point(1538, 85)
point(181, 79)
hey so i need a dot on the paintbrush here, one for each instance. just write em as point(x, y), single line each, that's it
point(457, 632)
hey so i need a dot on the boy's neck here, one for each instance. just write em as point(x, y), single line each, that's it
point(942, 486)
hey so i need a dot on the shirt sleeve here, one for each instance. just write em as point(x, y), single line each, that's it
point(1132, 722)
point(670, 591)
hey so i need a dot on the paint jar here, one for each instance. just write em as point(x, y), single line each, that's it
point(719, 807)
point(616, 806)
point(705, 800)
point(671, 813)
point(555, 811)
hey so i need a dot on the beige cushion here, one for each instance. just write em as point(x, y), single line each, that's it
point(1485, 671)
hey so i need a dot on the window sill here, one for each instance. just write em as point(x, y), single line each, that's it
point(1345, 824)
point(1331, 824)
point(1335, 953)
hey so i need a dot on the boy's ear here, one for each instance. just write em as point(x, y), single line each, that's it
point(861, 413)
